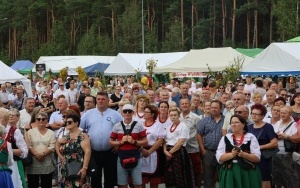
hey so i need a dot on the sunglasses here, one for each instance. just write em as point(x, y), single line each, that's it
point(241, 84)
point(127, 111)
point(221, 87)
point(44, 97)
point(69, 122)
point(247, 94)
point(40, 119)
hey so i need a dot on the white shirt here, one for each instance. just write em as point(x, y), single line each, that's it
point(278, 128)
point(250, 88)
point(56, 117)
point(12, 97)
point(61, 92)
point(181, 131)
point(73, 96)
point(20, 142)
point(254, 146)
point(154, 132)
point(25, 119)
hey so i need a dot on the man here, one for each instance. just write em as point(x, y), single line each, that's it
point(89, 103)
point(60, 91)
point(129, 82)
point(128, 96)
point(209, 135)
point(80, 102)
point(205, 94)
point(238, 99)
point(95, 89)
point(8, 87)
point(151, 96)
point(284, 93)
point(25, 114)
point(248, 101)
point(224, 98)
point(192, 145)
point(13, 95)
point(73, 94)
point(128, 145)
point(271, 96)
point(67, 84)
point(195, 101)
point(198, 87)
point(184, 88)
point(98, 123)
point(240, 88)
point(56, 120)
point(249, 85)
point(19, 102)
point(164, 95)
point(244, 111)
point(4, 97)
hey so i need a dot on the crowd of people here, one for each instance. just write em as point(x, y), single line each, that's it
point(181, 134)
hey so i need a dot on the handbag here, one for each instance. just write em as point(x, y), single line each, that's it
point(296, 157)
point(267, 153)
point(27, 160)
point(245, 164)
point(92, 168)
point(129, 163)
point(289, 146)
point(72, 170)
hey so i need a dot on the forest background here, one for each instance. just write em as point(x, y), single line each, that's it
point(33, 28)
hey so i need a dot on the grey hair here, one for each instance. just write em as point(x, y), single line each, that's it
point(45, 115)
point(15, 111)
point(176, 90)
point(2, 130)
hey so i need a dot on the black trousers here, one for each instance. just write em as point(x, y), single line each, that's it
point(107, 161)
point(34, 180)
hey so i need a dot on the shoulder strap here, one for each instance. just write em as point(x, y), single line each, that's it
point(128, 132)
point(288, 126)
point(259, 133)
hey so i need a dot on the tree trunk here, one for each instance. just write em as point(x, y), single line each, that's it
point(214, 26)
point(255, 26)
point(113, 25)
point(192, 25)
point(248, 26)
point(182, 25)
point(224, 22)
point(233, 24)
point(271, 23)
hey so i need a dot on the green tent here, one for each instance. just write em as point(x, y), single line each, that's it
point(253, 52)
point(296, 39)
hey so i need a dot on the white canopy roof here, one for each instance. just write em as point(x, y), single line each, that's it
point(199, 60)
point(129, 63)
point(56, 63)
point(276, 59)
point(10, 75)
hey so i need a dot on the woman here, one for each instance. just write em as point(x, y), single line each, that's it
point(163, 116)
point(237, 145)
point(75, 148)
point(33, 123)
point(19, 147)
point(206, 109)
point(266, 137)
point(214, 94)
point(295, 104)
point(178, 166)
point(284, 169)
point(6, 160)
point(221, 90)
point(275, 115)
point(228, 87)
point(152, 160)
point(41, 141)
point(46, 104)
point(115, 98)
point(49, 93)
point(257, 98)
point(141, 102)
point(228, 106)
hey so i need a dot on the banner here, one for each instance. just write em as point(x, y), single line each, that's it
point(189, 74)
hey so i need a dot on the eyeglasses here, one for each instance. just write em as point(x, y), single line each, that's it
point(146, 112)
point(127, 111)
point(44, 97)
point(19, 93)
point(229, 83)
point(241, 84)
point(40, 119)
point(69, 122)
point(13, 115)
point(254, 114)
point(247, 94)
point(238, 112)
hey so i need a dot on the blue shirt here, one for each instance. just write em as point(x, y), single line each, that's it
point(177, 98)
point(99, 127)
point(211, 131)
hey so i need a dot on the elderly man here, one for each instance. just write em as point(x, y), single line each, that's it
point(98, 123)
point(271, 96)
point(19, 103)
point(4, 96)
point(192, 145)
point(60, 91)
point(151, 96)
point(13, 95)
point(56, 120)
point(25, 114)
point(184, 88)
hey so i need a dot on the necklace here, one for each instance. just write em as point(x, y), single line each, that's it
point(159, 118)
point(74, 137)
point(172, 129)
point(137, 113)
point(238, 141)
point(149, 125)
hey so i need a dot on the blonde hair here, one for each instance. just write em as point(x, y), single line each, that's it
point(175, 109)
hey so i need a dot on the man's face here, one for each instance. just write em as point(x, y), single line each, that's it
point(196, 100)
point(72, 85)
point(205, 94)
point(102, 101)
point(248, 80)
point(127, 114)
point(151, 95)
point(184, 89)
point(283, 94)
point(215, 109)
point(62, 104)
point(271, 96)
point(128, 81)
point(87, 91)
point(164, 96)
point(3, 87)
point(128, 96)
point(247, 95)
point(224, 99)
point(241, 110)
point(89, 103)
point(274, 87)
point(29, 105)
point(238, 100)
point(184, 105)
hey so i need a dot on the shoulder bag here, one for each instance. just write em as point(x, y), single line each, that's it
point(267, 153)
point(289, 146)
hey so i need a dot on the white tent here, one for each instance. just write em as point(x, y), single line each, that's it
point(56, 63)
point(129, 63)
point(10, 75)
point(199, 60)
point(276, 59)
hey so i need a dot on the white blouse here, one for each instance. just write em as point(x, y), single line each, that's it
point(154, 132)
point(290, 132)
point(181, 131)
point(254, 146)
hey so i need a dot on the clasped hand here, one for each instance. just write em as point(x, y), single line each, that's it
point(237, 152)
point(127, 138)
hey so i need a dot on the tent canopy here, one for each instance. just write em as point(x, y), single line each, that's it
point(10, 75)
point(199, 60)
point(253, 52)
point(100, 67)
point(56, 63)
point(296, 39)
point(276, 59)
point(129, 63)
point(23, 66)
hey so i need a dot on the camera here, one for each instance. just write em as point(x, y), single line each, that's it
point(237, 148)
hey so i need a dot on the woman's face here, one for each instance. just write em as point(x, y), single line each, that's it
point(275, 111)
point(44, 97)
point(174, 116)
point(70, 124)
point(236, 125)
point(163, 108)
point(256, 115)
point(118, 90)
point(13, 118)
point(297, 99)
point(257, 99)
point(141, 103)
point(207, 108)
point(41, 121)
point(148, 115)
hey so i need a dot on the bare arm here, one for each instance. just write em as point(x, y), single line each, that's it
point(177, 146)
point(273, 144)
point(86, 146)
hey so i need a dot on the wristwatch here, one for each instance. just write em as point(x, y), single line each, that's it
point(135, 142)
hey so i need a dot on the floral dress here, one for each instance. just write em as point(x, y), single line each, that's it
point(73, 152)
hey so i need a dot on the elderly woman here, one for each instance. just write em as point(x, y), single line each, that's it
point(33, 123)
point(178, 166)
point(141, 102)
point(75, 148)
point(152, 160)
point(206, 109)
point(257, 98)
point(41, 142)
point(19, 147)
point(266, 137)
point(6, 160)
point(275, 115)
point(238, 145)
point(284, 169)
